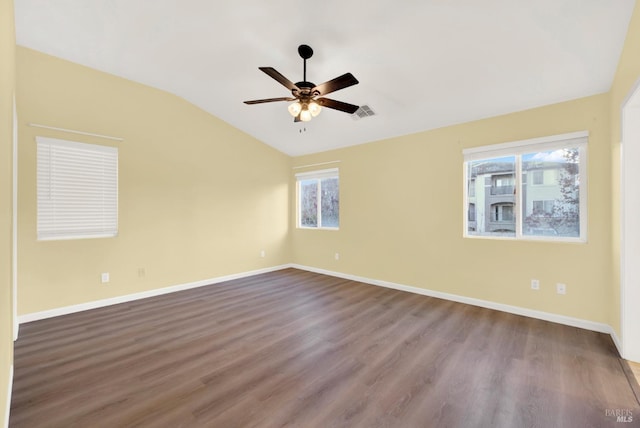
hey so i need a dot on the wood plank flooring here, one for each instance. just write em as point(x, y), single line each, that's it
point(635, 369)
point(632, 370)
point(298, 349)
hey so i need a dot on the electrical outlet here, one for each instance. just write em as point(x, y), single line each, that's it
point(104, 277)
point(262, 253)
point(141, 272)
point(535, 284)
point(561, 288)
point(337, 256)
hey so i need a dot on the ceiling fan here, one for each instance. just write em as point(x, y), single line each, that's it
point(308, 96)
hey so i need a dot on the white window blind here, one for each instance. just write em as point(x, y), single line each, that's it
point(77, 190)
point(323, 173)
point(526, 146)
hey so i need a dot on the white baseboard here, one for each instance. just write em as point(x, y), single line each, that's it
point(546, 316)
point(8, 404)
point(142, 295)
point(616, 340)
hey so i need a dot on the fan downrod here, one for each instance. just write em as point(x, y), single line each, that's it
point(305, 52)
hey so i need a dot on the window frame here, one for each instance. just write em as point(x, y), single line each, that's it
point(577, 140)
point(317, 175)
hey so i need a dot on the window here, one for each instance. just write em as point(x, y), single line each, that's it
point(538, 176)
point(534, 189)
point(472, 212)
point(502, 212)
point(77, 190)
point(543, 207)
point(318, 198)
point(503, 184)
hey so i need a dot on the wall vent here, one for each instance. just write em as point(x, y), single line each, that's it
point(362, 112)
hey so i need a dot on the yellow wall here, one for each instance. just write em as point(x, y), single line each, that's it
point(7, 85)
point(198, 199)
point(401, 217)
point(627, 74)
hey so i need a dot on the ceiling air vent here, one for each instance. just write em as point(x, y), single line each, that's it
point(362, 112)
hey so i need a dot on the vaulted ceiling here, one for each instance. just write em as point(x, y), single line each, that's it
point(422, 64)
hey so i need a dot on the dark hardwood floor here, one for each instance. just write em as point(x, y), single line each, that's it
point(298, 349)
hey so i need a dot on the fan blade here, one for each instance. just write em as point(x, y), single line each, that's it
point(269, 100)
point(337, 105)
point(274, 74)
point(336, 84)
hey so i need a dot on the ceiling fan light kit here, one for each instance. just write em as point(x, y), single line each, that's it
point(295, 109)
point(305, 111)
point(308, 97)
point(305, 115)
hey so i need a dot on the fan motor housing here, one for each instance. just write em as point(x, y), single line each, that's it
point(305, 89)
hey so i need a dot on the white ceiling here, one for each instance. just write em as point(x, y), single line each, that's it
point(422, 64)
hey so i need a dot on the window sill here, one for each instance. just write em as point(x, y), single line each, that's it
point(317, 228)
point(529, 239)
